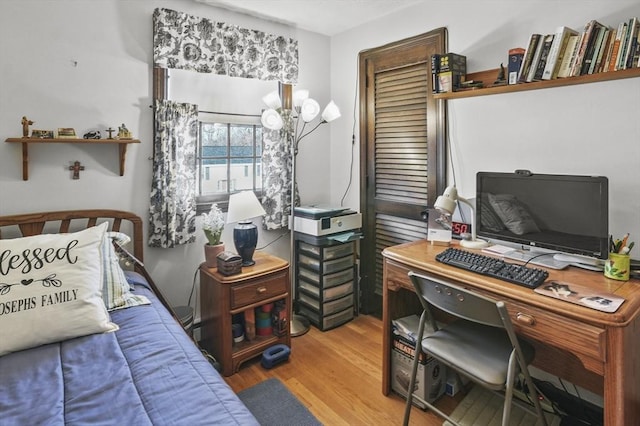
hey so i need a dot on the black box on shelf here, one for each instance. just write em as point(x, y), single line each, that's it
point(452, 71)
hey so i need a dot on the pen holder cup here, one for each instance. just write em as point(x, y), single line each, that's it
point(617, 266)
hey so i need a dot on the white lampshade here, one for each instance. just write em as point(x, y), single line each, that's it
point(446, 203)
point(243, 206)
point(331, 112)
point(272, 100)
point(309, 110)
point(299, 97)
point(272, 120)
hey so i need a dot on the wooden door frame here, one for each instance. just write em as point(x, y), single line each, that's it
point(366, 128)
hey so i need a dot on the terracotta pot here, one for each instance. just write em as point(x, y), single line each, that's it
point(210, 254)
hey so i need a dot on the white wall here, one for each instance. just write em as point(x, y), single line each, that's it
point(588, 129)
point(87, 65)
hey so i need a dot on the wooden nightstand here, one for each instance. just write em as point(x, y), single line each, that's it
point(223, 297)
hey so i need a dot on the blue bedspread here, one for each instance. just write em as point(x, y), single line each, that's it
point(147, 373)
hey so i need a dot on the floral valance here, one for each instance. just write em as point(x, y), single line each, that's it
point(183, 41)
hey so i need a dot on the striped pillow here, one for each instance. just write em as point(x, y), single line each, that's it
point(116, 292)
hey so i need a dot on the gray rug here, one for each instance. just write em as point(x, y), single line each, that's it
point(272, 404)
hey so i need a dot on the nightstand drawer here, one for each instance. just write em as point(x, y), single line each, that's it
point(252, 292)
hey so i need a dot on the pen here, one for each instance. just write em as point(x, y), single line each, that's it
point(624, 242)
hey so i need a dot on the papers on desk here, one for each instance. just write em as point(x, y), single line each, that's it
point(342, 237)
point(498, 249)
point(579, 295)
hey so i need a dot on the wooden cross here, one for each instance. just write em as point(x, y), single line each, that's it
point(76, 169)
point(110, 130)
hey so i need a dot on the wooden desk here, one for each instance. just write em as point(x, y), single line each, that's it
point(595, 350)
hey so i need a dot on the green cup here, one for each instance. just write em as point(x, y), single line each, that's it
point(617, 266)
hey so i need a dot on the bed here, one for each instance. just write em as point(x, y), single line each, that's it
point(71, 356)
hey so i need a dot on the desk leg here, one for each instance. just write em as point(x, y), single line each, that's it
point(397, 302)
point(622, 376)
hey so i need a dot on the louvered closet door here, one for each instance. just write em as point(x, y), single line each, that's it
point(401, 162)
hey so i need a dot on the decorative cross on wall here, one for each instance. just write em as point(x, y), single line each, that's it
point(76, 169)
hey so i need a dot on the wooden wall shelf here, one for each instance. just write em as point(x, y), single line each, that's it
point(490, 75)
point(122, 148)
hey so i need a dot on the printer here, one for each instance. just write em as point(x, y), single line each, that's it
point(320, 221)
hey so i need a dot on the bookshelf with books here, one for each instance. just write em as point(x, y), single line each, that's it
point(595, 53)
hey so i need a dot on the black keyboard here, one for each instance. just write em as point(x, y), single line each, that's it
point(493, 267)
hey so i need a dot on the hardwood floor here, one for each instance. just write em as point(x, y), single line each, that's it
point(337, 375)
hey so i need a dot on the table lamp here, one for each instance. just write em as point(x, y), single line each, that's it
point(446, 204)
point(243, 207)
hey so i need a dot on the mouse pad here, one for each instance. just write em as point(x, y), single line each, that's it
point(580, 295)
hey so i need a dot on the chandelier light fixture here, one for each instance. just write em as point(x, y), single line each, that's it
point(281, 116)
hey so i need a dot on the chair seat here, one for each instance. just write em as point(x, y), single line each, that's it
point(478, 351)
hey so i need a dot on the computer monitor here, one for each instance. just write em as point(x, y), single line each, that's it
point(545, 213)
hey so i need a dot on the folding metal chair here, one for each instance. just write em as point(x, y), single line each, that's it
point(479, 344)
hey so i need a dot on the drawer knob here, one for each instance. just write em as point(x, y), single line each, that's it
point(261, 290)
point(525, 319)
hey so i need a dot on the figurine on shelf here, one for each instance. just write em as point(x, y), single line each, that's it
point(93, 134)
point(123, 132)
point(25, 126)
point(502, 77)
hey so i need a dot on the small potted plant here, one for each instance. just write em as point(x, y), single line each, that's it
point(212, 225)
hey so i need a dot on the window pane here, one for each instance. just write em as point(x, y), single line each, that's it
point(229, 159)
point(241, 170)
point(213, 165)
point(214, 139)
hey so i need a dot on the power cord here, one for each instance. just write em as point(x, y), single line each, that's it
point(353, 140)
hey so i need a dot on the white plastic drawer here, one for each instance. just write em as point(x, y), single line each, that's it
point(326, 267)
point(328, 307)
point(329, 321)
point(328, 293)
point(328, 252)
point(329, 280)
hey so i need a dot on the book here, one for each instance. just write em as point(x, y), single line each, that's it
point(585, 38)
point(624, 41)
point(516, 56)
point(567, 58)
point(528, 57)
point(547, 41)
point(250, 324)
point(604, 48)
point(613, 62)
point(634, 28)
point(635, 60)
point(534, 62)
point(435, 69)
point(590, 48)
point(556, 53)
point(597, 47)
point(606, 60)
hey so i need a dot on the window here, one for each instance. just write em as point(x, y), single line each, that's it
point(229, 160)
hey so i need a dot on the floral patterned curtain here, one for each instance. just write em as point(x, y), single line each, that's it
point(276, 186)
point(173, 207)
point(183, 41)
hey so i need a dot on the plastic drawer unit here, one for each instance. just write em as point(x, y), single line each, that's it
point(326, 281)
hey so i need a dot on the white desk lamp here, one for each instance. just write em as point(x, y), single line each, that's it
point(446, 204)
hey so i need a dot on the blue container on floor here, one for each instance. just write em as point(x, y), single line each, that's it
point(275, 355)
